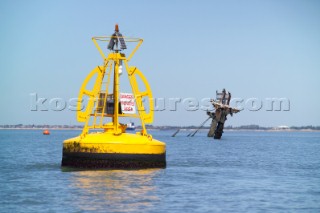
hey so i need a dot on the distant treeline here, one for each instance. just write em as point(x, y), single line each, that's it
point(257, 127)
point(243, 127)
point(31, 126)
point(306, 127)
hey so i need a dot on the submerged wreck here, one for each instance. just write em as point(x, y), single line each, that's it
point(221, 110)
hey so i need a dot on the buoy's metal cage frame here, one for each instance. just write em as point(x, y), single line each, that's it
point(96, 98)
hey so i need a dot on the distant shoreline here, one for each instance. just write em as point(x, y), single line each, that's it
point(181, 129)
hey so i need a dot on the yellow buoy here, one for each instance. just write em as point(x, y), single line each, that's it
point(112, 147)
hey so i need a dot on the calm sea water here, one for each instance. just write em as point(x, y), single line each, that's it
point(243, 172)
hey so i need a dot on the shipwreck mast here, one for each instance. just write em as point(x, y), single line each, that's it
point(220, 113)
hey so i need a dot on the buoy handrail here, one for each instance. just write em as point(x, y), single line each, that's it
point(107, 38)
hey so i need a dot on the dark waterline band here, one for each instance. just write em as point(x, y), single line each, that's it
point(103, 160)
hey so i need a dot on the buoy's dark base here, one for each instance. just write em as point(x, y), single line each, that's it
point(112, 161)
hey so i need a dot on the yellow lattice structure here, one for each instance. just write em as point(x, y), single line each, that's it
point(112, 146)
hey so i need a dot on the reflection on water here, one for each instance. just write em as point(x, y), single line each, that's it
point(116, 190)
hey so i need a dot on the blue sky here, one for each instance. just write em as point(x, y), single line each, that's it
point(255, 49)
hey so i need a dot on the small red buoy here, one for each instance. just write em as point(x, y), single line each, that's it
point(46, 132)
